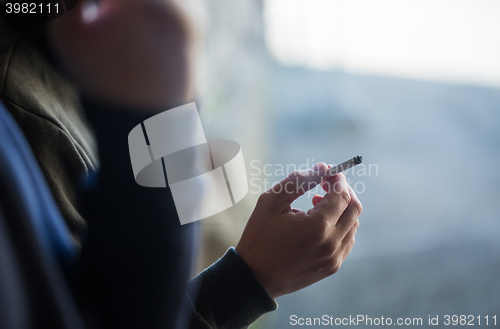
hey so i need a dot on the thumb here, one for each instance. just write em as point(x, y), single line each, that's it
point(298, 183)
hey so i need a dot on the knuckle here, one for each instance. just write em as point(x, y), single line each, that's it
point(346, 197)
point(358, 207)
point(355, 226)
point(333, 266)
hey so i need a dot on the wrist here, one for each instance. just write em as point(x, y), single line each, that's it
point(260, 274)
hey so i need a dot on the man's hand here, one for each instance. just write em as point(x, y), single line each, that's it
point(288, 249)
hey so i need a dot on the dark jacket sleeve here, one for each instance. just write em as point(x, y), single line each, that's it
point(137, 258)
point(228, 295)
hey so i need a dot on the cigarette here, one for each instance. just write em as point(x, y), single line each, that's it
point(344, 166)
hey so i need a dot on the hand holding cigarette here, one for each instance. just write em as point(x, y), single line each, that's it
point(289, 249)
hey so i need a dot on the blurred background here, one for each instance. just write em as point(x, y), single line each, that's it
point(412, 86)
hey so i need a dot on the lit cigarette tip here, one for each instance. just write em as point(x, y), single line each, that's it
point(358, 159)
